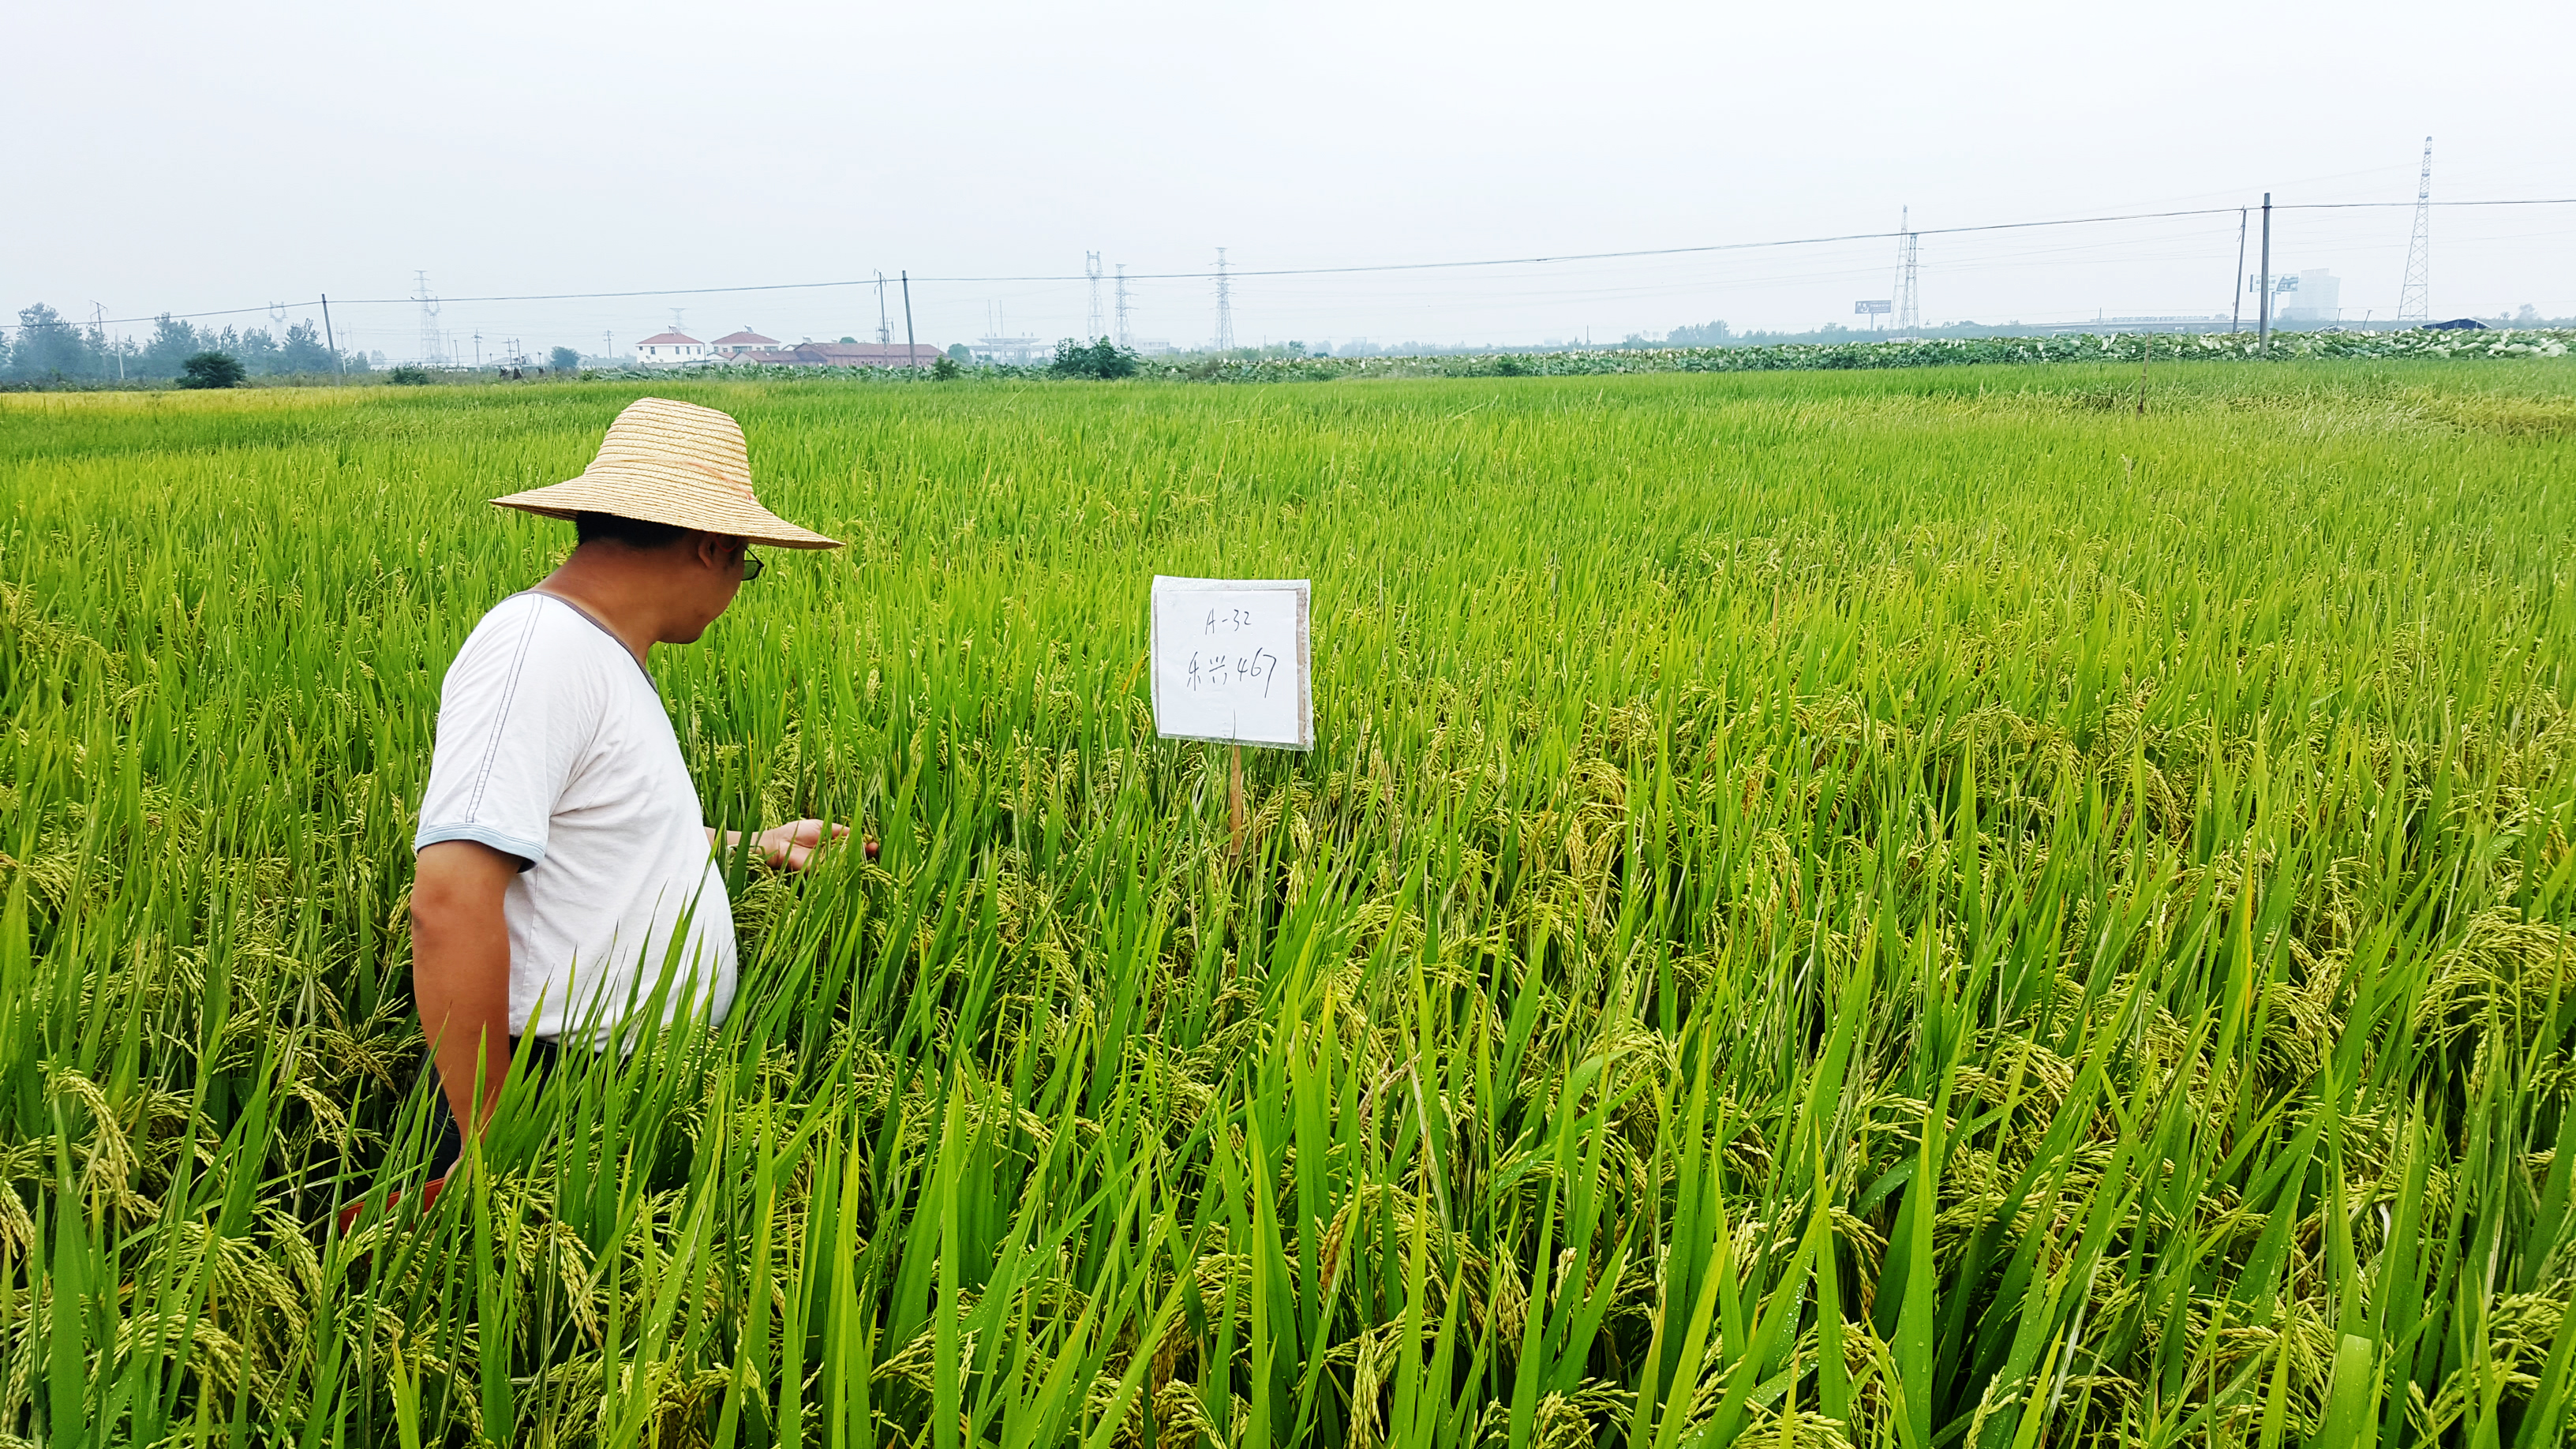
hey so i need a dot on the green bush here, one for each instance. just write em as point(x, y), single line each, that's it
point(211, 369)
point(946, 369)
point(409, 375)
point(1103, 358)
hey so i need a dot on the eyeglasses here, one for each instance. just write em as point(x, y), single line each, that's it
point(751, 566)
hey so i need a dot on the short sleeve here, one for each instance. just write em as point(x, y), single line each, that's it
point(514, 717)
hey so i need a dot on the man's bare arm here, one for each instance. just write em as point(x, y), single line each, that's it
point(460, 970)
point(792, 846)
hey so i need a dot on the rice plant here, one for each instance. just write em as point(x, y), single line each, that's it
point(1895, 908)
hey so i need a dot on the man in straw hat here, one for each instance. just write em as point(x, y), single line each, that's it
point(566, 876)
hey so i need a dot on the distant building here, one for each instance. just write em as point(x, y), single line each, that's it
point(740, 342)
point(2314, 296)
point(866, 354)
point(1015, 351)
point(678, 349)
point(2217, 322)
point(670, 349)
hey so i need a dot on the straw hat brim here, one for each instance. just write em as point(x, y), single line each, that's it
point(655, 497)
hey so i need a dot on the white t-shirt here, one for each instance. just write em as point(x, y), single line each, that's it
point(553, 747)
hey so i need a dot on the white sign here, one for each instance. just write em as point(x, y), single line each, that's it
point(1231, 661)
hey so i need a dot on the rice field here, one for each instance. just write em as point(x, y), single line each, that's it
point(1916, 908)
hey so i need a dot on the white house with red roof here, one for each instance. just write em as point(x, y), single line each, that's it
point(744, 341)
point(669, 349)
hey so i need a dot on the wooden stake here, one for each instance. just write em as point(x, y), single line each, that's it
point(1235, 813)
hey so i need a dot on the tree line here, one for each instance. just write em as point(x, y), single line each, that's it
point(46, 346)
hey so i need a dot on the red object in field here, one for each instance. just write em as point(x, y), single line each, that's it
point(872, 850)
point(428, 1199)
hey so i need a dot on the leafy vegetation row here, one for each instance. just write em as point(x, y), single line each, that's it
point(1103, 360)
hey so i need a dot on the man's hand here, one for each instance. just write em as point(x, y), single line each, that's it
point(794, 845)
point(460, 970)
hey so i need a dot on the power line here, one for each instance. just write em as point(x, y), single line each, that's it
point(1297, 271)
point(1382, 267)
point(2356, 205)
point(1401, 266)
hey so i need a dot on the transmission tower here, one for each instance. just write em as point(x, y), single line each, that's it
point(1909, 311)
point(2415, 298)
point(1122, 306)
point(1091, 268)
point(431, 351)
point(1224, 306)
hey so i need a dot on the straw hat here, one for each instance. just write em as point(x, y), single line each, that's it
point(675, 463)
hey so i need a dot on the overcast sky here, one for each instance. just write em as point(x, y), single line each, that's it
point(196, 157)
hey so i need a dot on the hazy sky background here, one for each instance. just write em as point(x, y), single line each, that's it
point(191, 158)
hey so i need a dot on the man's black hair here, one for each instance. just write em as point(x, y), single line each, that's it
point(632, 532)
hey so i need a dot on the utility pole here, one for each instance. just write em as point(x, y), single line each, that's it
point(911, 349)
point(2415, 295)
point(2263, 307)
point(608, 347)
point(478, 349)
point(2236, 318)
point(339, 369)
point(1224, 306)
point(1122, 306)
point(885, 333)
point(98, 340)
point(1093, 332)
